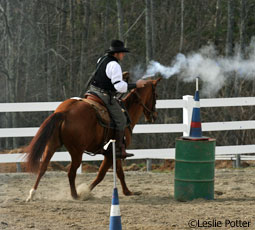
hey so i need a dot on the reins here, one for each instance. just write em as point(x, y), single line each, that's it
point(150, 111)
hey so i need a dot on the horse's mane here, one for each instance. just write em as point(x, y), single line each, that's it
point(131, 96)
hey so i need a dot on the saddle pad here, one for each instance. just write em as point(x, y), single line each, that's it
point(101, 110)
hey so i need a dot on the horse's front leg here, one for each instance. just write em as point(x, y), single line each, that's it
point(121, 177)
point(105, 165)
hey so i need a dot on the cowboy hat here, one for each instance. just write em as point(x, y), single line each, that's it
point(117, 46)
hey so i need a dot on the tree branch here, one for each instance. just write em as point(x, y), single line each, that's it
point(131, 27)
point(6, 22)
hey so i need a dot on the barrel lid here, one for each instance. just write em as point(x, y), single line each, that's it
point(196, 138)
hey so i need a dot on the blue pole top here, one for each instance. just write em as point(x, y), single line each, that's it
point(196, 96)
point(115, 197)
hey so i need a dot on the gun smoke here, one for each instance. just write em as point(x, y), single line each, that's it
point(213, 69)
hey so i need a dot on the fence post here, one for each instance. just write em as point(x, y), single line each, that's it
point(187, 113)
point(238, 161)
point(148, 164)
point(18, 167)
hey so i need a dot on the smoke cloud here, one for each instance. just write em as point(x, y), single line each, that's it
point(213, 69)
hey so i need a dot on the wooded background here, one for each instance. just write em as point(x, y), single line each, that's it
point(48, 49)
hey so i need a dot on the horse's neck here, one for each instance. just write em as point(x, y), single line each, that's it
point(134, 108)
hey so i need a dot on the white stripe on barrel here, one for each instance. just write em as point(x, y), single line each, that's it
point(115, 210)
point(196, 104)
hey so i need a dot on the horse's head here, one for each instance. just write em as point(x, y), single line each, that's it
point(147, 98)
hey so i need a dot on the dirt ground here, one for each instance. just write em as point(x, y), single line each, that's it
point(154, 209)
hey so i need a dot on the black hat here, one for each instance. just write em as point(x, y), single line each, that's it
point(117, 46)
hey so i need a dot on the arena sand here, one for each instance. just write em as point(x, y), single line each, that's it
point(154, 209)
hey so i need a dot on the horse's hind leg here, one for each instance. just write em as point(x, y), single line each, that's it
point(43, 167)
point(76, 161)
point(121, 176)
point(106, 164)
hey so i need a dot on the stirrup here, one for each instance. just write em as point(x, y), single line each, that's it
point(123, 154)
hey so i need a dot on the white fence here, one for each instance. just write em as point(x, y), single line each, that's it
point(222, 152)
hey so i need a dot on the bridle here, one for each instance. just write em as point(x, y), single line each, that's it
point(152, 114)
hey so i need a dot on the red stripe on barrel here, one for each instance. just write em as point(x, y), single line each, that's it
point(195, 124)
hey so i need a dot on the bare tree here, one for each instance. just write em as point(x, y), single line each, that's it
point(243, 17)
point(182, 26)
point(47, 54)
point(153, 35)
point(230, 27)
point(181, 43)
point(216, 22)
point(83, 75)
point(148, 37)
point(106, 21)
point(61, 46)
point(72, 41)
point(120, 19)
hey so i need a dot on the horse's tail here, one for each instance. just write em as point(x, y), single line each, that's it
point(36, 147)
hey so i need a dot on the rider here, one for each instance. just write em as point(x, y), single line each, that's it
point(106, 83)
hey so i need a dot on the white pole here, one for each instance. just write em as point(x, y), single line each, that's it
point(113, 158)
point(197, 84)
point(187, 113)
point(114, 163)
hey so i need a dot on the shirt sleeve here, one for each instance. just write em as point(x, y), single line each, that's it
point(114, 72)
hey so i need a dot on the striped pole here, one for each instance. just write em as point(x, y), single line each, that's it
point(195, 126)
point(115, 217)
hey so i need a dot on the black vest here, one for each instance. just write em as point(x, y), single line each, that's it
point(100, 79)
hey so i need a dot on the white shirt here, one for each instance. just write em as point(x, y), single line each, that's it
point(114, 72)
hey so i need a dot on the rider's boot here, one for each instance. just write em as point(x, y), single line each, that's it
point(120, 146)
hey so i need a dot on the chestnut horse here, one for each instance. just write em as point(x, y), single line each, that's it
point(74, 124)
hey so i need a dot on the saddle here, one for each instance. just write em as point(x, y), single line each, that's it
point(100, 108)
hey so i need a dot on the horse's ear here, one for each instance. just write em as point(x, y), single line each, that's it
point(157, 80)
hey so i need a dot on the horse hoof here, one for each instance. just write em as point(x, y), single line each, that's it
point(133, 193)
point(31, 195)
point(75, 197)
point(84, 192)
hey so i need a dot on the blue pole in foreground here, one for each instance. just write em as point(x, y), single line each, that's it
point(115, 217)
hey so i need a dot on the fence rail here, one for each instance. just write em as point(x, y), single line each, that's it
point(186, 104)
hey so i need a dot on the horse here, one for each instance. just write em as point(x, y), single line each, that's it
point(75, 125)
